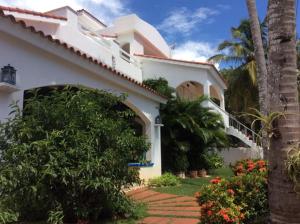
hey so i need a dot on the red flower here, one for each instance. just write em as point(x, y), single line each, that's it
point(230, 191)
point(197, 194)
point(209, 212)
point(216, 180)
point(261, 163)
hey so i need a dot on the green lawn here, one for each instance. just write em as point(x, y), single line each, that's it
point(190, 186)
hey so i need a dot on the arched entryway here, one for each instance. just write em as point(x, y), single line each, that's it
point(139, 122)
point(215, 95)
point(190, 90)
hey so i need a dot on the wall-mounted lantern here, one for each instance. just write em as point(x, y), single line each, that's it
point(8, 74)
point(158, 121)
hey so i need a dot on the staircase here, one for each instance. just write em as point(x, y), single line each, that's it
point(237, 129)
point(246, 135)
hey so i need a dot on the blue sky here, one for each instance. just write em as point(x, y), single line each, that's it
point(196, 27)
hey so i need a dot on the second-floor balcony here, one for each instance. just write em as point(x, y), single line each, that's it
point(110, 53)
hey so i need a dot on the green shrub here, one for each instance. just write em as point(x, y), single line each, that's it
point(213, 160)
point(167, 179)
point(66, 158)
point(240, 199)
point(189, 129)
point(248, 166)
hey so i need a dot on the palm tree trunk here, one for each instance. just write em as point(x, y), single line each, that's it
point(283, 201)
point(261, 66)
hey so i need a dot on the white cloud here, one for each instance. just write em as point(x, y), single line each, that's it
point(105, 10)
point(194, 51)
point(183, 20)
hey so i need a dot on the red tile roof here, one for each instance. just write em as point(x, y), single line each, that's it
point(184, 61)
point(79, 53)
point(25, 11)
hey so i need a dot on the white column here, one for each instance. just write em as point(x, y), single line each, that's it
point(222, 101)
point(206, 90)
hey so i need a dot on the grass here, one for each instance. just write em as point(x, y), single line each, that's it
point(190, 186)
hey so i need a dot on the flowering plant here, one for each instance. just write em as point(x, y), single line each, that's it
point(240, 199)
point(250, 166)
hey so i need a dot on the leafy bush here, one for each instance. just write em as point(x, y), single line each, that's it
point(242, 199)
point(167, 179)
point(189, 129)
point(250, 166)
point(213, 160)
point(66, 158)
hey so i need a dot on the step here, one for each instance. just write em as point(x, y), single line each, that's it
point(174, 208)
point(175, 204)
point(160, 197)
point(175, 200)
point(137, 191)
point(168, 220)
point(194, 214)
point(144, 195)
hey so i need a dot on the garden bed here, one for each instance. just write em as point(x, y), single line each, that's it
point(190, 186)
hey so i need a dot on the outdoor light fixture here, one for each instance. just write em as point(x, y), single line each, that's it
point(157, 120)
point(8, 75)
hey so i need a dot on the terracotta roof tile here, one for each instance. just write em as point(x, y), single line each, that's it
point(25, 11)
point(79, 53)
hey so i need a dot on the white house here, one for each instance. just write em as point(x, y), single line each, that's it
point(67, 47)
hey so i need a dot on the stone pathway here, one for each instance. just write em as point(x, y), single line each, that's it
point(167, 208)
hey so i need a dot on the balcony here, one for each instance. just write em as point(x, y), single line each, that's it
point(110, 53)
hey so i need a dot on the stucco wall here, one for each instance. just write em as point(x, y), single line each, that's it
point(177, 74)
point(231, 155)
point(36, 68)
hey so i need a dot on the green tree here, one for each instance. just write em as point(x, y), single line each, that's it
point(189, 129)
point(66, 158)
point(282, 79)
point(240, 50)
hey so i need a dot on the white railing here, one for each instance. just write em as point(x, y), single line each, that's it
point(112, 55)
point(248, 132)
point(221, 111)
point(127, 57)
point(233, 125)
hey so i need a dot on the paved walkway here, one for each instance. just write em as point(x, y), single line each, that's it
point(167, 208)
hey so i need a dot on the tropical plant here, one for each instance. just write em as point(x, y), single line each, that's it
point(293, 167)
point(66, 158)
point(241, 49)
point(213, 160)
point(189, 129)
point(282, 87)
point(165, 180)
point(241, 94)
point(267, 123)
point(161, 85)
point(248, 166)
point(240, 199)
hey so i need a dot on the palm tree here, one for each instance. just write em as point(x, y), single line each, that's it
point(282, 78)
point(261, 67)
point(240, 49)
point(240, 95)
point(189, 126)
point(259, 56)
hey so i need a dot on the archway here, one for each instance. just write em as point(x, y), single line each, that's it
point(215, 95)
point(139, 122)
point(190, 90)
point(126, 51)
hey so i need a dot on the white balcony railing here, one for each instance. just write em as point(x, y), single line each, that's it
point(114, 56)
